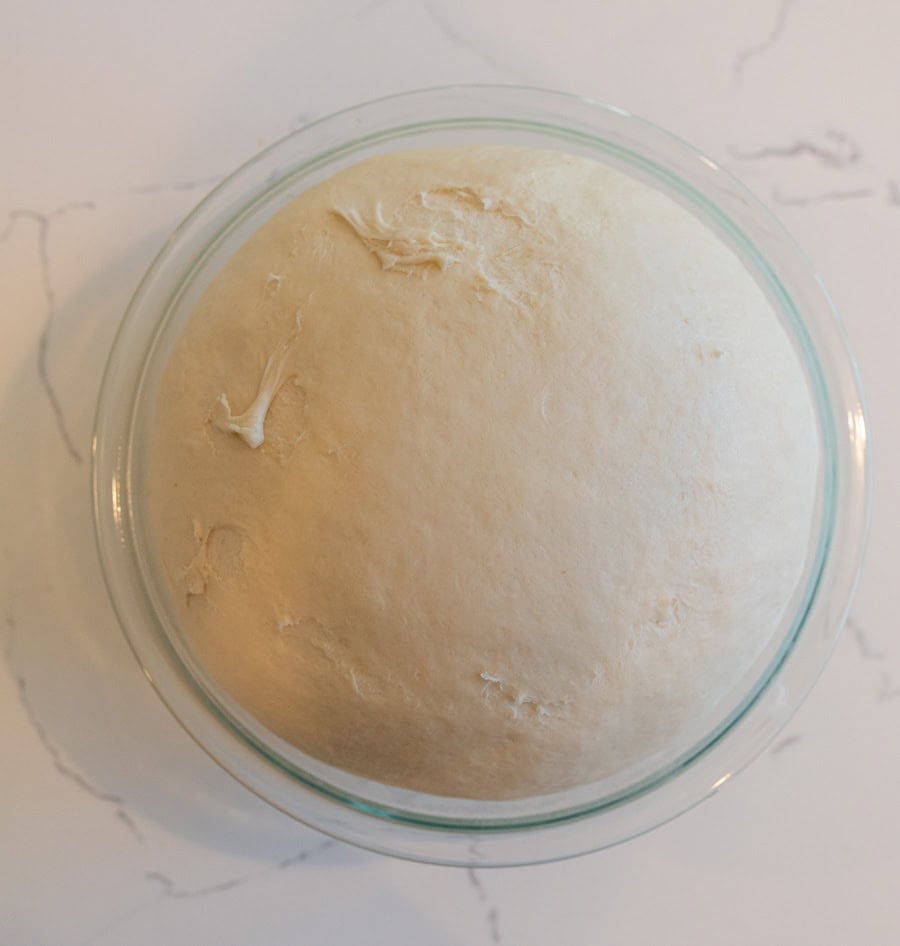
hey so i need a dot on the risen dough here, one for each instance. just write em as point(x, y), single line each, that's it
point(481, 471)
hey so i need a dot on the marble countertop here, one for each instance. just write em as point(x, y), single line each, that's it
point(117, 119)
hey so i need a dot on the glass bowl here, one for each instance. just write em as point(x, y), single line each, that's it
point(452, 830)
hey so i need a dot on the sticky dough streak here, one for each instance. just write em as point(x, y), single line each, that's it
point(250, 425)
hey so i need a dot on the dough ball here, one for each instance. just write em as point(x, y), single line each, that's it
point(482, 472)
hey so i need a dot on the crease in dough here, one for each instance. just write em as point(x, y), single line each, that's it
point(517, 698)
point(320, 638)
point(213, 558)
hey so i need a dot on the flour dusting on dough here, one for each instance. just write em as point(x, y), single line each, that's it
point(405, 249)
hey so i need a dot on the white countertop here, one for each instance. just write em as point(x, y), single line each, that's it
point(117, 119)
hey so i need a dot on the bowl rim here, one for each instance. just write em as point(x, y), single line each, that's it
point(401, 830)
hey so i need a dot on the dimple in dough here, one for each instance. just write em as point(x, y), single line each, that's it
point(482, 472)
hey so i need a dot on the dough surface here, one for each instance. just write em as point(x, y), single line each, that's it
point(481, 471)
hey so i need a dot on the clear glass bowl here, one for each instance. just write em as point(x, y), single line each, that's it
point(382, 817)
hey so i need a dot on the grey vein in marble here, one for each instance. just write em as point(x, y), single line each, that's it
point(11, 625)
point(43, 222)
point(751, 52)
point(475, 881)
point(51, 748)
point(887, 689)
point(784, 743)
point(14, 217)
point(473, 852)
point(118, 921)
point(167, 888)
point(497, 58)
point(303, 856)
point(129, 823)
point(171, 889)
point(893, 189)
point(171, 186)
point(866, 650)
point(837, 150)
point(492, 916)
point(66, 770)
point(787, 200)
